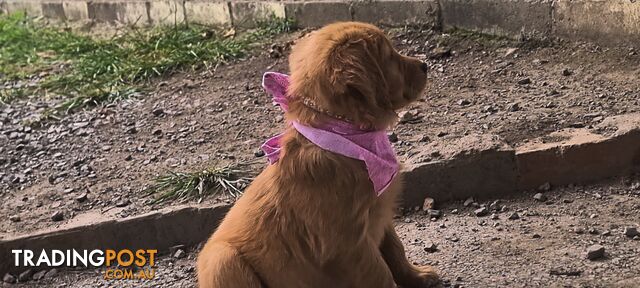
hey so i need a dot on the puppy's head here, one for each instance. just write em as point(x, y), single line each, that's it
point(351, 69)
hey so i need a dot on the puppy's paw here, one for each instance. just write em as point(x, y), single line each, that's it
point(425, 277)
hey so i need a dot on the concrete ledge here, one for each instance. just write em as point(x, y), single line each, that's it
point(248, 14)
point(315, 14)
point(500, 17)
point(607, 22)
point(187, 226)
point(396, 13)
point(480, 166)
point(75, 10)
point(166, 12)
point(30, 8)
point(208, 13)
point(582, 156)
point(602, 21)
point(53, 10)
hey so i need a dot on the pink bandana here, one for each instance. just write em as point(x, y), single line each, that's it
point(372, 147)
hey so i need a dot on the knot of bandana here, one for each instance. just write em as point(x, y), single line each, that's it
point(371, 147)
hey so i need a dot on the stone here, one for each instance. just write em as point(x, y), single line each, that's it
point(57, 216)
point(81, 198)
point(631, 232)
point(39, 275)
point(463, 102)
point(25, 276)
point(524, 81)
point(259, 153)
point(392, 137)
point(468, 202)
point(514, 216)
point(122, 203)
point(51, 273)
point(480, 212)
point(540, 197)
point(14, 218)
point(431, 247)
point(435, 213)
point(179, 254)
point(595, 252)
point(428, 204)
point(8, 278)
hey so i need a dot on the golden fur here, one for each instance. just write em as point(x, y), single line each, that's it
point(312, 219)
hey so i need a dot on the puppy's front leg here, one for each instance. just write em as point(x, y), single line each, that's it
point(366, 268)
point(405, 274)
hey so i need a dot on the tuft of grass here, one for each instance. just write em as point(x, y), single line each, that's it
point(89, 71)
point(230, 180)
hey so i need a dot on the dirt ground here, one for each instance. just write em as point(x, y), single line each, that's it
point(544, 247)
point(189, 121)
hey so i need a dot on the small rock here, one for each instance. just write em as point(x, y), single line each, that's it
point(494, 216)
point(536, 236)
point(158, 112)
point(480, 212)
point(431, 247)
point(392, 137)
point(567, 201)
point(442, 134)
point(258, 153)
point(122, 203)
point(558, 272)
point(540, 197)
point(514, 216)
point(14, 218)
point(510, 52)
point(468, 202)
point(428, 204)
point(454, 211)
point(435, 213)
point(8, 278)
point(463, 102)
point(51, 273)
point(25, 276)
point(57, 216)
point(579, 231)
point(39, 275)
point(81, 198)
point(593, 231)
point(566, 72)
point(606, 233)
point(440, 52)
point(179, 254)
point(631, 232)
point(524, 81)
point(407, 116)
point(279, 118)
point(495, 205)
point(513, 107)
point(595, 252)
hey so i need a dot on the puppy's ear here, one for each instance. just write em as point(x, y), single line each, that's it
point(354, 70)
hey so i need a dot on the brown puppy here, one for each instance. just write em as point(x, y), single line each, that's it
point(312, 219)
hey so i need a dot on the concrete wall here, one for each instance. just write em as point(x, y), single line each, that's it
point(609, 22)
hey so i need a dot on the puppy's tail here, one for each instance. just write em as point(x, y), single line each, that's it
point(220, 266)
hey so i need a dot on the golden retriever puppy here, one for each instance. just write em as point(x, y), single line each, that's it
point(313, 219)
